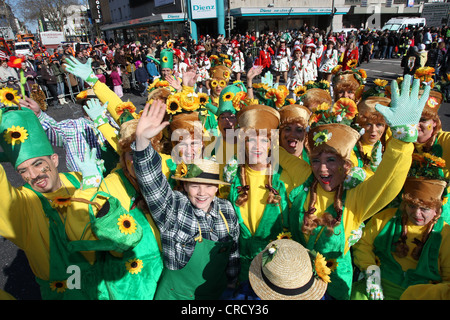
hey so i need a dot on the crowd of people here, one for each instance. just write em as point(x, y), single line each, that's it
point(260, 168)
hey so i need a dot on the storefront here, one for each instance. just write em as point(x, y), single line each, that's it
point(267, 19)
point(145, 29)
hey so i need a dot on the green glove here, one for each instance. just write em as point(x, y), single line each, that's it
point(90, 169)
point(406, 109)
point(96, 112)
point(354, 178)
point(80, 70)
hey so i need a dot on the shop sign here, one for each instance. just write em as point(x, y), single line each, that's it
point(203, 9)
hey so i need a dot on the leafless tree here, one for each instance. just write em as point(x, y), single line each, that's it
point(53, 11)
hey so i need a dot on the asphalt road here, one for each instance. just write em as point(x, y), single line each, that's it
point(16, 276)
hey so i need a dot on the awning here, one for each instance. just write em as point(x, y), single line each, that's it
point(157, 18)
point(275, 11)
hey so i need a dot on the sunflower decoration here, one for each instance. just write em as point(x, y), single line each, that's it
point(336, 69)
point(381, 83)
point(320, 268)
point(239, 100)
point(284, 235)
point(203, 98)
point(15, 135)
point(58, 286)
point(425, 74)
point(290, 101)
point(134, 266)
point(15, 62)
point(427, 165)
point(227, 63)
point(228, 96)
point(300, 91)
point(61, 202)
point(169, 44)
point(352, 64)
point(181, 170)
point(173, 104)
point(9, 97)
point(189, 101)
point(129, 106)
point(378, 90)
point(127, 224)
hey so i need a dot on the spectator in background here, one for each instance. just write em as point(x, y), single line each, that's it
point(49, 80)
point(116, 80)
point(423, 55)
point(58, 72)
point(6, 71)
point(30, 75)
point(142, 77)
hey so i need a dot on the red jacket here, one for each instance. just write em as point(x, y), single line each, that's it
point(264, 59)
point(354, 54)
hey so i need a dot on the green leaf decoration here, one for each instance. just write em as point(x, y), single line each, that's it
point(268, 255)
point(193, 171)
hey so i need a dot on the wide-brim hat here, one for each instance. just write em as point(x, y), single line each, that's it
point(367, 106)
point(287, 276)
point(258, 117)
point(425, 190)
point(200, 171)
point(22, 136)
point(346, 78)
point(336, 137)
point(294, 113)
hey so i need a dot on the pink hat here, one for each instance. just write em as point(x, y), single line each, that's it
point(138, 63)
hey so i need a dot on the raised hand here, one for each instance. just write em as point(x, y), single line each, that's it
point(81, 70)
point(190, 76)
point(406, 108)
point(91, 168)
point(96, 112)
point(29, 103)
point(150, 123)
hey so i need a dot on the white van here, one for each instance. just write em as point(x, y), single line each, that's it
point(22, 48)
point(397, 24)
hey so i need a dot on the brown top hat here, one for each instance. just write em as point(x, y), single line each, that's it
point(433, 103)
point(294, 113)
point(258, 117)
point(187, 121)
point(315, 96)
point(368, 105)
point(336, 137)
point(426, 190)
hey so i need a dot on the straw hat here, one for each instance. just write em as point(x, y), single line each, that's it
point(201, 171)
point(220, 72)
point(187, 121)
point(287, 276)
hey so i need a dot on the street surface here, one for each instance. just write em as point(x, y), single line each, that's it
point(15, 274)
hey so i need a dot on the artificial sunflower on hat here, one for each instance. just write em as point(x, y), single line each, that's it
point(128, 105)
point(9, 97)
point(378, 90)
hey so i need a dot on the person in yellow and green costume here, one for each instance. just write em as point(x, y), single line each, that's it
point(403, 253)
point(199, 232)
point(64, 219)
point(259, 188)
point(325, 216)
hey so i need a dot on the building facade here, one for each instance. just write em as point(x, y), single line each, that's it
point(144, 19)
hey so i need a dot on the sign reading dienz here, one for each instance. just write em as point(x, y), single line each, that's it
point(203, 9)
